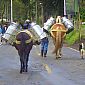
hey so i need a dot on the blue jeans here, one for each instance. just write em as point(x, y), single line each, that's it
point(44, 44)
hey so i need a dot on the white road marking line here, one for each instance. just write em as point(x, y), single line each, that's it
point(75, 50)
point(72, 49)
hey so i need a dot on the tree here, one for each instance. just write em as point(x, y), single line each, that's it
point(24, 9)
point(2, 8)
point(82, 10)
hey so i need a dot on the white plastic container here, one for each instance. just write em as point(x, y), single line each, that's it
point(48, 23)
point(68, 24)
point(38, 30)
point(10, 30)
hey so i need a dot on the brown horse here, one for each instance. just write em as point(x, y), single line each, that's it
point(23, 44)
point(58, 32)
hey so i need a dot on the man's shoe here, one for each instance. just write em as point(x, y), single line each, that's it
point(45, 56)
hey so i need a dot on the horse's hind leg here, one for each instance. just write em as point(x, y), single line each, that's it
point(56, 54)
point(26, 66)
point(27, 61)
point(21, 69)
point(59, 53)
point(22, 66)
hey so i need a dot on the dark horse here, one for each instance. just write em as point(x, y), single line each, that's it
point(23, 44)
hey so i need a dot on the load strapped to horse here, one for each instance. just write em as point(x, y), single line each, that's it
point(58, 32)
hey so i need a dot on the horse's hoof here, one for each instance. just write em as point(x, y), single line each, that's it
point(61, 54)
point(56, 57)
point(20, 72)
point(26, 71)
point(82, 58)
point(59, 57)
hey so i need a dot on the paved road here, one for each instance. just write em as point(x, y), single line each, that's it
point(69, 70)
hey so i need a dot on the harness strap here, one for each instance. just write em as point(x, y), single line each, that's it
point(27, 41)
point(26, 31)
point(57, 30)
point(55, 27)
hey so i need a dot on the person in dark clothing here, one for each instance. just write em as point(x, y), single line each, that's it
point(44, 46)
point(0, 35)
point(27, 24)
point(3, 29)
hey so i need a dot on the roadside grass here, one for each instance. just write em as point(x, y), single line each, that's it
point(83, 26)
point(73, 36)
point(83, 31)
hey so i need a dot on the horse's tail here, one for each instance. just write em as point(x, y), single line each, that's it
point(58, 42)
point(23, 42)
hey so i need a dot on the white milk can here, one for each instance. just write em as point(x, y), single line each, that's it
point(68, 24)
point(10, 30)
point(38, 30)
point(48, 23)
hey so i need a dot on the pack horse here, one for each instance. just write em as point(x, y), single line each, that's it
point(58, 33)
point(23, 44)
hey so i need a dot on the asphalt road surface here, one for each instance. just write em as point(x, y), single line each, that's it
point(69, 70)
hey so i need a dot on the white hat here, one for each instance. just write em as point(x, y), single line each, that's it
point(27, 20)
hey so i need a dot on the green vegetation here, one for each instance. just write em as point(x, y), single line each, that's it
point(72, 37)
point(83, 31)
point(79, 32)
point(35, 10)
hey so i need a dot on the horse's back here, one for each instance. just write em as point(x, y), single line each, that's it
point(58, 32)
point(57, 29)
point(24, 42)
